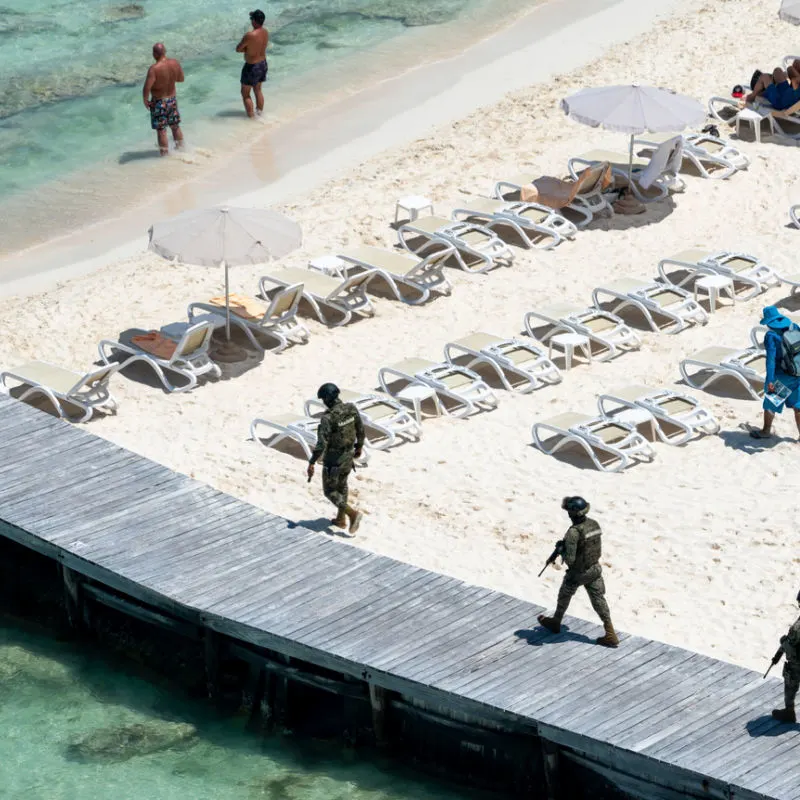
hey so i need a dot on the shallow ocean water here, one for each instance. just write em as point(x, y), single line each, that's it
point(72, 72)
point(63, 708)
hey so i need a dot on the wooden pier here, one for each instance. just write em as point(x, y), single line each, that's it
point(414, 647)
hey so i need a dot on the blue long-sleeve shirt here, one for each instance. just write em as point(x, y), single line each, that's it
point(773, 345)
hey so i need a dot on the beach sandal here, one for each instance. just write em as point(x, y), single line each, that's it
point(757, 434)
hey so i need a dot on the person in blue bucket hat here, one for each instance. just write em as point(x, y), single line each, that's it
point(777, 324)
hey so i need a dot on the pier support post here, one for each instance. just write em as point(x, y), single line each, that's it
point(211, 649)
point(377, 699)
point(550, 767)
point(73, 597)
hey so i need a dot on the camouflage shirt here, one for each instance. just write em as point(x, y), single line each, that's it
point(340, 433)
point(791, 644)
point(582, 545)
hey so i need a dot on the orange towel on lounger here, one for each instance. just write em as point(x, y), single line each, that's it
point(241, 305)
point(156, 344)
point(558, 193)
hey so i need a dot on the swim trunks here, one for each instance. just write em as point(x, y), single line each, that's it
point(782, 95)
point(164, 113)
point(253, 74)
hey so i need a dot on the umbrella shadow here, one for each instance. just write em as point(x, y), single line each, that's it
point(654, 213)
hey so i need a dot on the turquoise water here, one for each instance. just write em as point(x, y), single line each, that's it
point(64, 710)
point(72, 71)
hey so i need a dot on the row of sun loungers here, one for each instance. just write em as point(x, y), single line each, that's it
point(664, 305)
point(611, 438)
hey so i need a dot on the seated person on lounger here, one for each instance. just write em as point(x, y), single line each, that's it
point(782, 89)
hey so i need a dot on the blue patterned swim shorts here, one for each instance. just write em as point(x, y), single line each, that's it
point(164, 113)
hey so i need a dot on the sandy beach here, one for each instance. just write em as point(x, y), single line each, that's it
point(701, 549)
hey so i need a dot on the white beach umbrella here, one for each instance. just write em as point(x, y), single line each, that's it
point(633, 109)
point(225, 237)
point(790, 11)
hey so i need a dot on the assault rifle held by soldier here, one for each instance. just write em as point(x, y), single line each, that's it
point(557, 553)
point(775, 659)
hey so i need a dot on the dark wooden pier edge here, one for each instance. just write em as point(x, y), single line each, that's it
point(436, 669)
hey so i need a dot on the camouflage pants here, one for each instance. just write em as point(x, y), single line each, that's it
point(791, 683)
point(592, 581)
point(334, 484)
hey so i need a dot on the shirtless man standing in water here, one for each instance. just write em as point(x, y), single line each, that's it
point(160, 100)
point(254, 71)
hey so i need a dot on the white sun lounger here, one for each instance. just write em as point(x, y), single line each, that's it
point(278, 320)
point(602, 328)
point(536, 225)
point(749, 274)
point(651, 298)
point(345, 297)
point(658, 188)
point(421, 275)
point(618, 442)
point(461, 387)
point(712, 157)
point(476, 248)
point(584, 196)
point(297, 427)
point(747, 365)
point(190, 359)
point(74, 397)
point(726, 109)
point(524, 363)
point(382, 413)
point(675, 417)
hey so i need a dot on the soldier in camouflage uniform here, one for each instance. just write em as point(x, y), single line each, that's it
point(340, 439)
point(790, 644)
point(582, 550)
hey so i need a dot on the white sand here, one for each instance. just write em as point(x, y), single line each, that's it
point(701, 548)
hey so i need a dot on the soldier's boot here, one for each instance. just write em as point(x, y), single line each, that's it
point(553, 624)
point(784, 715)
point(355, 517)
point(341, 519)
point(610, 638)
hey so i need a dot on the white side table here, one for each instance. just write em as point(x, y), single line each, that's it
point(714, 286)
point(753, 118)
point(417, 394)
point(567, 342)
point(329, 265)
point(412, 204)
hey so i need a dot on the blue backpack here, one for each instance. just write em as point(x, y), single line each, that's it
point(790, 352)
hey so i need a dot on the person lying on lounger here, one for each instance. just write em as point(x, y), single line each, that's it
point(782, 89)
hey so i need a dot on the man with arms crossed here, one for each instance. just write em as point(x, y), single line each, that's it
point(160, 100)
point(254, 71)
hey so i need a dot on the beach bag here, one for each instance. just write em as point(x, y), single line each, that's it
point(790, 355)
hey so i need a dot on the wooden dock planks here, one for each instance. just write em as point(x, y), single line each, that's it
point(663, 714)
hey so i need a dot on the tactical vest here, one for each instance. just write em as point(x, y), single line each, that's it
point(589, 544)
point(792, 644)
point(342, 432)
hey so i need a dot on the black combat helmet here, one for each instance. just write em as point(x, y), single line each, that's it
point(575, 506)
point(328, 393)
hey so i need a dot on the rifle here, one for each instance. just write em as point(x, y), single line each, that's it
point(775, 659)
point(559, 551)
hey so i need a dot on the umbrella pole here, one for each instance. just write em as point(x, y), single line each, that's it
point(630, 166)
point(228, 304)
